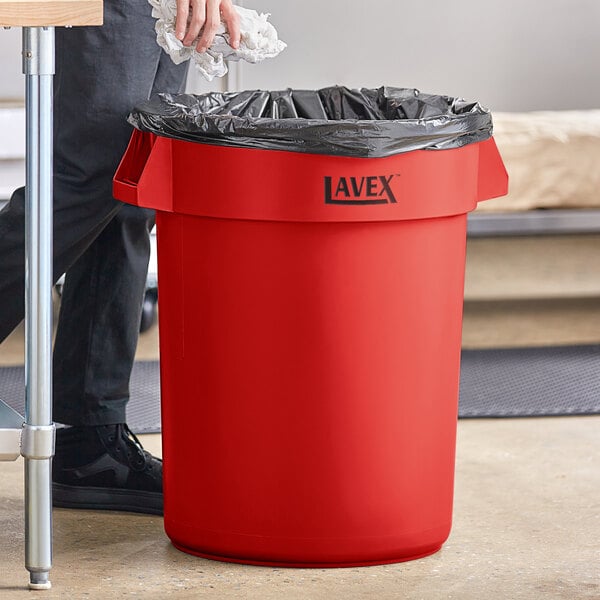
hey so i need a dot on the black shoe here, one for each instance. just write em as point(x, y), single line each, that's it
point(105, 468)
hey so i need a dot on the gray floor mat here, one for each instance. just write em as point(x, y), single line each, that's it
point(527, 382)
point(143, 410)
point(515, 382)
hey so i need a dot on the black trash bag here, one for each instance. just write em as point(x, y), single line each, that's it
point(337, 121)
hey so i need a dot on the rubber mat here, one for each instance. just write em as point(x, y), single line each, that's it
point(528, 382)
point(515, 382)
point(143, 409)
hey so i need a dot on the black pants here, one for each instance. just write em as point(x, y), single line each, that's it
point(101, 244)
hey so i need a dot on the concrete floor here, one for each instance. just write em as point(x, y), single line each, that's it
point(526, 526)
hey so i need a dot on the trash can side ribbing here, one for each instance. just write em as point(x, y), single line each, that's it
point(310, 330)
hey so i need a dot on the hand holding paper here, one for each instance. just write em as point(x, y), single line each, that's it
point(258, 38)
point(195, 16)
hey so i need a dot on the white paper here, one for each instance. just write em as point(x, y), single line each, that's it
point(259, 40)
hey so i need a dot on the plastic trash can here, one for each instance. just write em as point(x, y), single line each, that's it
point(310, 319)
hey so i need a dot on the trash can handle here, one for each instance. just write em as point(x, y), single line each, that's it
point(493, 177)
point(145, 175)
point(144, 172)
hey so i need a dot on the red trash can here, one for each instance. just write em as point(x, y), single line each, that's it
point(310, 336)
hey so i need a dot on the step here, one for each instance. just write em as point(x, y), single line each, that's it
point(532, 291)
point(524, 323)
point(533, 268)
point(534, 222)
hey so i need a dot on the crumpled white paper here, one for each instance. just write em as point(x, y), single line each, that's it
point(259, 40)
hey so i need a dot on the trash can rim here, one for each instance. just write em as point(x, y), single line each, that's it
point(299, 120)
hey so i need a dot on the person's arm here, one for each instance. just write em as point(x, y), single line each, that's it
point(207, 14)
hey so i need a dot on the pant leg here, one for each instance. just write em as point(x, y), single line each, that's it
point(75, 225)
point(96, 85)
point(99, 322)
point(101, 74)
point(102, 297)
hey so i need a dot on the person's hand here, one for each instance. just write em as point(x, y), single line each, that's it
point(206, 14)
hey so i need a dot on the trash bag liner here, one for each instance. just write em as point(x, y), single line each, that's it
point(339, 121)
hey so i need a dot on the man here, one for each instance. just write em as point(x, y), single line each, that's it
point(102, 245)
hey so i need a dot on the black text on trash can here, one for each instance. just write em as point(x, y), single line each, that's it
point(374, 189)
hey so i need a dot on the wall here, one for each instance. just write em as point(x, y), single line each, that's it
point(512, 55)
point(12, 82)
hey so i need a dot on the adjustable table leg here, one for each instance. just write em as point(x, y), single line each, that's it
point(38, 433)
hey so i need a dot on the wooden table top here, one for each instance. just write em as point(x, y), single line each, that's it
point(42, 13)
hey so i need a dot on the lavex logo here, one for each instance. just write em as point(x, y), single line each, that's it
point(376, 189)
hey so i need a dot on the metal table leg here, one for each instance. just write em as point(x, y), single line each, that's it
point(37, 441)
point(38, 18)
